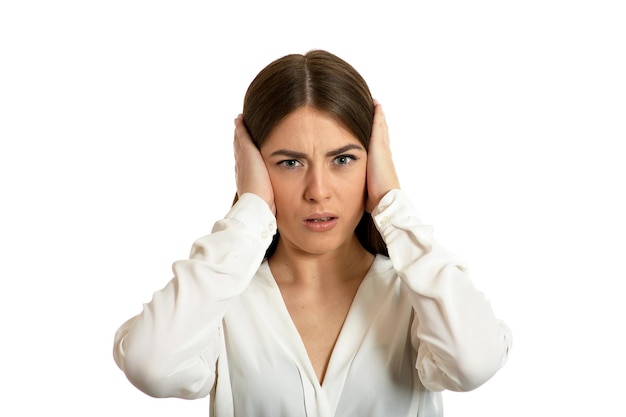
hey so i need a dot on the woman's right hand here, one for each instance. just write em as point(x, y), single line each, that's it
point(250, 171)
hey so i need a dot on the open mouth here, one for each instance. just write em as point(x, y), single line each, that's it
point(321, 219)
point(320, 222)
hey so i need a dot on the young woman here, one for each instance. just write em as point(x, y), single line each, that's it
point(321, 293)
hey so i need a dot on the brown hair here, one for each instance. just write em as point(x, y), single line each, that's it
point(327, 83)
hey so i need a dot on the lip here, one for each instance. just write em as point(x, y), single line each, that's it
point(320, 222)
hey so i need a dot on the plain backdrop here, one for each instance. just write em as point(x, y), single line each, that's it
point(508, 121)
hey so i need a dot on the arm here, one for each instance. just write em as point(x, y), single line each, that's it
point(170, 349)
point(460, 343)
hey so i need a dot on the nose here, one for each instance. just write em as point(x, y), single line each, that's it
point(317, 185)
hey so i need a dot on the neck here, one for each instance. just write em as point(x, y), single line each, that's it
point(348, 263)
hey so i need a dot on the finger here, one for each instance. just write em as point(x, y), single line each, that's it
point(242, 136)
point(238, 127)
point(380, 121)
point(238, 121)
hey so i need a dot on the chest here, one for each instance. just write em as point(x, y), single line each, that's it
point(319, 319)
point(273, 348)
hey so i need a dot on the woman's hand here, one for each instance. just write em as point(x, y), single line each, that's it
point(381, 173)
point(250, 171)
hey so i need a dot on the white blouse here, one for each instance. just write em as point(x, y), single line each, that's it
point(220, 327)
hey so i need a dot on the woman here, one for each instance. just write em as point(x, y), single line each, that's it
point(321, 293)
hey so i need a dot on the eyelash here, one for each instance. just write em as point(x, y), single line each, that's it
point(291, 163)
point(351, 157)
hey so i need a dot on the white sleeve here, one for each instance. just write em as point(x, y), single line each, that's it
point(460, 343)
point(170, 349)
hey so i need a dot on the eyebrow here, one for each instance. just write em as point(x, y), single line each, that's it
point(334, 152)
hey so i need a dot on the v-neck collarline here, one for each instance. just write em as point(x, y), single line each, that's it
point(353, 331)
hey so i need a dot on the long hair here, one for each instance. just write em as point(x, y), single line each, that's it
point(327, 83)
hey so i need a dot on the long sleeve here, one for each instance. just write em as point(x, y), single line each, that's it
point(460, 343)
point(170, 349)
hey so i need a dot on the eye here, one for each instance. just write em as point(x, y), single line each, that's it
point(344, 159)
point(289, 163)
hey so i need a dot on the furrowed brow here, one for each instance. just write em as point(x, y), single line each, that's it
point(344, 149)
point(288, 154)
point(299, 155)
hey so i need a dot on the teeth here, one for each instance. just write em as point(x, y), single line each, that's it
point(322, 219)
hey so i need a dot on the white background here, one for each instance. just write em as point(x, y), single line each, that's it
point(507, 118)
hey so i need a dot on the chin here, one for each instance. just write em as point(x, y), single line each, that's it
point(323, 246)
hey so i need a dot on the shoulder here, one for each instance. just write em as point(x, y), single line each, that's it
point(382, 268)
point(262, 287)
point(382, 277)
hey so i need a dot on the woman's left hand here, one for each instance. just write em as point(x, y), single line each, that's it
point(381, 173)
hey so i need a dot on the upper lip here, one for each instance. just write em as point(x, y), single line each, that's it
point(317, 216)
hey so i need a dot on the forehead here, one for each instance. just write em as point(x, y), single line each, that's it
point(309, 128)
